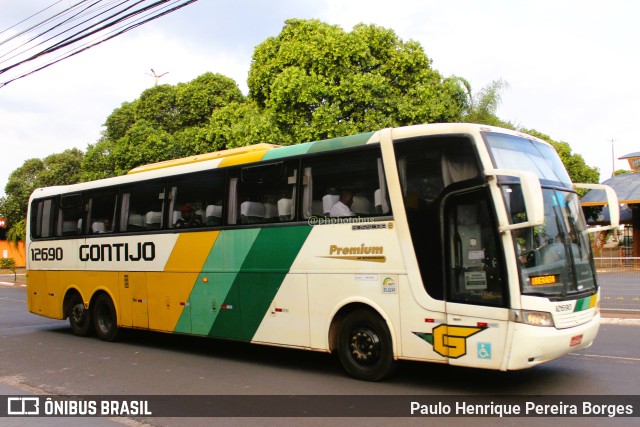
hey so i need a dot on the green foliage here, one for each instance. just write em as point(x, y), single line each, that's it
point(317, 81)
point(164, 123)
point(62, 168)
point(55, 169)
point(18, 232)
point(119, 121)
point(240, 124)
point(482, 106)
point(622, 172)
point(9, 264)
point(143, 143)
point(98, 163)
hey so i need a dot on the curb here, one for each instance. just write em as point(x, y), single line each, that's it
point(619, 321)
point(12, 284)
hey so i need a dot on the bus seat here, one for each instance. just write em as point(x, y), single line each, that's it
point(252, 212)
point(213, 215)
point(153, 219)
point(97, 227)
point(69, 228)
point(270, 212)
point(136, 222)
point(361, 205)
point(328, 201)
point(285, 209)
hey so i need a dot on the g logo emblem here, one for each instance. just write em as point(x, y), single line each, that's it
point(450, 341)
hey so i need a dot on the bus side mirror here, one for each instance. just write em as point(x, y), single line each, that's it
point(612, 201)
point(531, 193)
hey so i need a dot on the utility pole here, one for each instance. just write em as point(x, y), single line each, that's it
point(156, 76)
point(613, 159)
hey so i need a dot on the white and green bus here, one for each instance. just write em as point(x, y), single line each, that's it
point(449, 243)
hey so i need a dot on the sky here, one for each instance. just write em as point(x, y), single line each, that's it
point(570, 65)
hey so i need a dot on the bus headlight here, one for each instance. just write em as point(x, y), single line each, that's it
point(535, 318)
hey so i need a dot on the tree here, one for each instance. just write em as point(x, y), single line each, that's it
point(56, 169)
point(18, 232)
point(9, 264)
point(242, 123)
point(159, 125)
point(19, 187)
point(98, 163)
point(482, 106)
point(143, 143)
point(316, 81)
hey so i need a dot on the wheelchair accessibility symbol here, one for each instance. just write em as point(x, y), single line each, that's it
point(484, 350)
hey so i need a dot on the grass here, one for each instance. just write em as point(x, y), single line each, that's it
point(20, 278)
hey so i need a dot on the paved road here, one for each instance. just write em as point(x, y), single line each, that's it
point(620, 290)
point(40, 355)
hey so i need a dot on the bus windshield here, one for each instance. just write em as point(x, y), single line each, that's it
point(512, 152)
point(554, 258)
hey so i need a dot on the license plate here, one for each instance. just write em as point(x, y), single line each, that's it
point(575, 341)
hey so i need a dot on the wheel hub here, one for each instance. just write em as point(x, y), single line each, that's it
point(365, 346)
point(78, 313)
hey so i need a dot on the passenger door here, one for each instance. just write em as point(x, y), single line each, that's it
point(476, 292)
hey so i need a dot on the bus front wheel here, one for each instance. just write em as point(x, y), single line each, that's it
point(364, 346)
point(104, 318)
point(79, 317)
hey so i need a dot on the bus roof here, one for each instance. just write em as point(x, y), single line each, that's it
point(231, 152)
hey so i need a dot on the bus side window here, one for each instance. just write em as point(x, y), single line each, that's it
point(195, 200)
point(349, 183)
point(264, 193)
point(102, 212)
point(142, 207)
point(70, 216)
point(42, 218)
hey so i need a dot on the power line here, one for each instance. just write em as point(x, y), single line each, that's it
point(26, 19)
point(39, 24)
point(95, 28)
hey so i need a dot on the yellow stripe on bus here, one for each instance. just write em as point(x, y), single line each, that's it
point(191, 251)
point(169, 290)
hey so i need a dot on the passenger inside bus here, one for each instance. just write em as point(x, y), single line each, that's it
point(100, 227)
point(188, 217)
point(343, 205)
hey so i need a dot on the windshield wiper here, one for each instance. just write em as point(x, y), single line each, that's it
point(567, 252)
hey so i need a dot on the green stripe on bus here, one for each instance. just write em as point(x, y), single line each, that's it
point(291, 150)
point(583, 304)
point(343, 142)
point(220, 269)
point(318, 146)
point(254, 288)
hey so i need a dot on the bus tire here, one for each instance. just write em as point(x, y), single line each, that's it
point(79, 317)
point(104, 318)
point(364, 346)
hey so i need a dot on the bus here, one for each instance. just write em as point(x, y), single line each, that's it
point(459, 244)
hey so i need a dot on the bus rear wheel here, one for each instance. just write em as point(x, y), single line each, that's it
point(364, 346)
point(79, 317)
point(105, 318)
